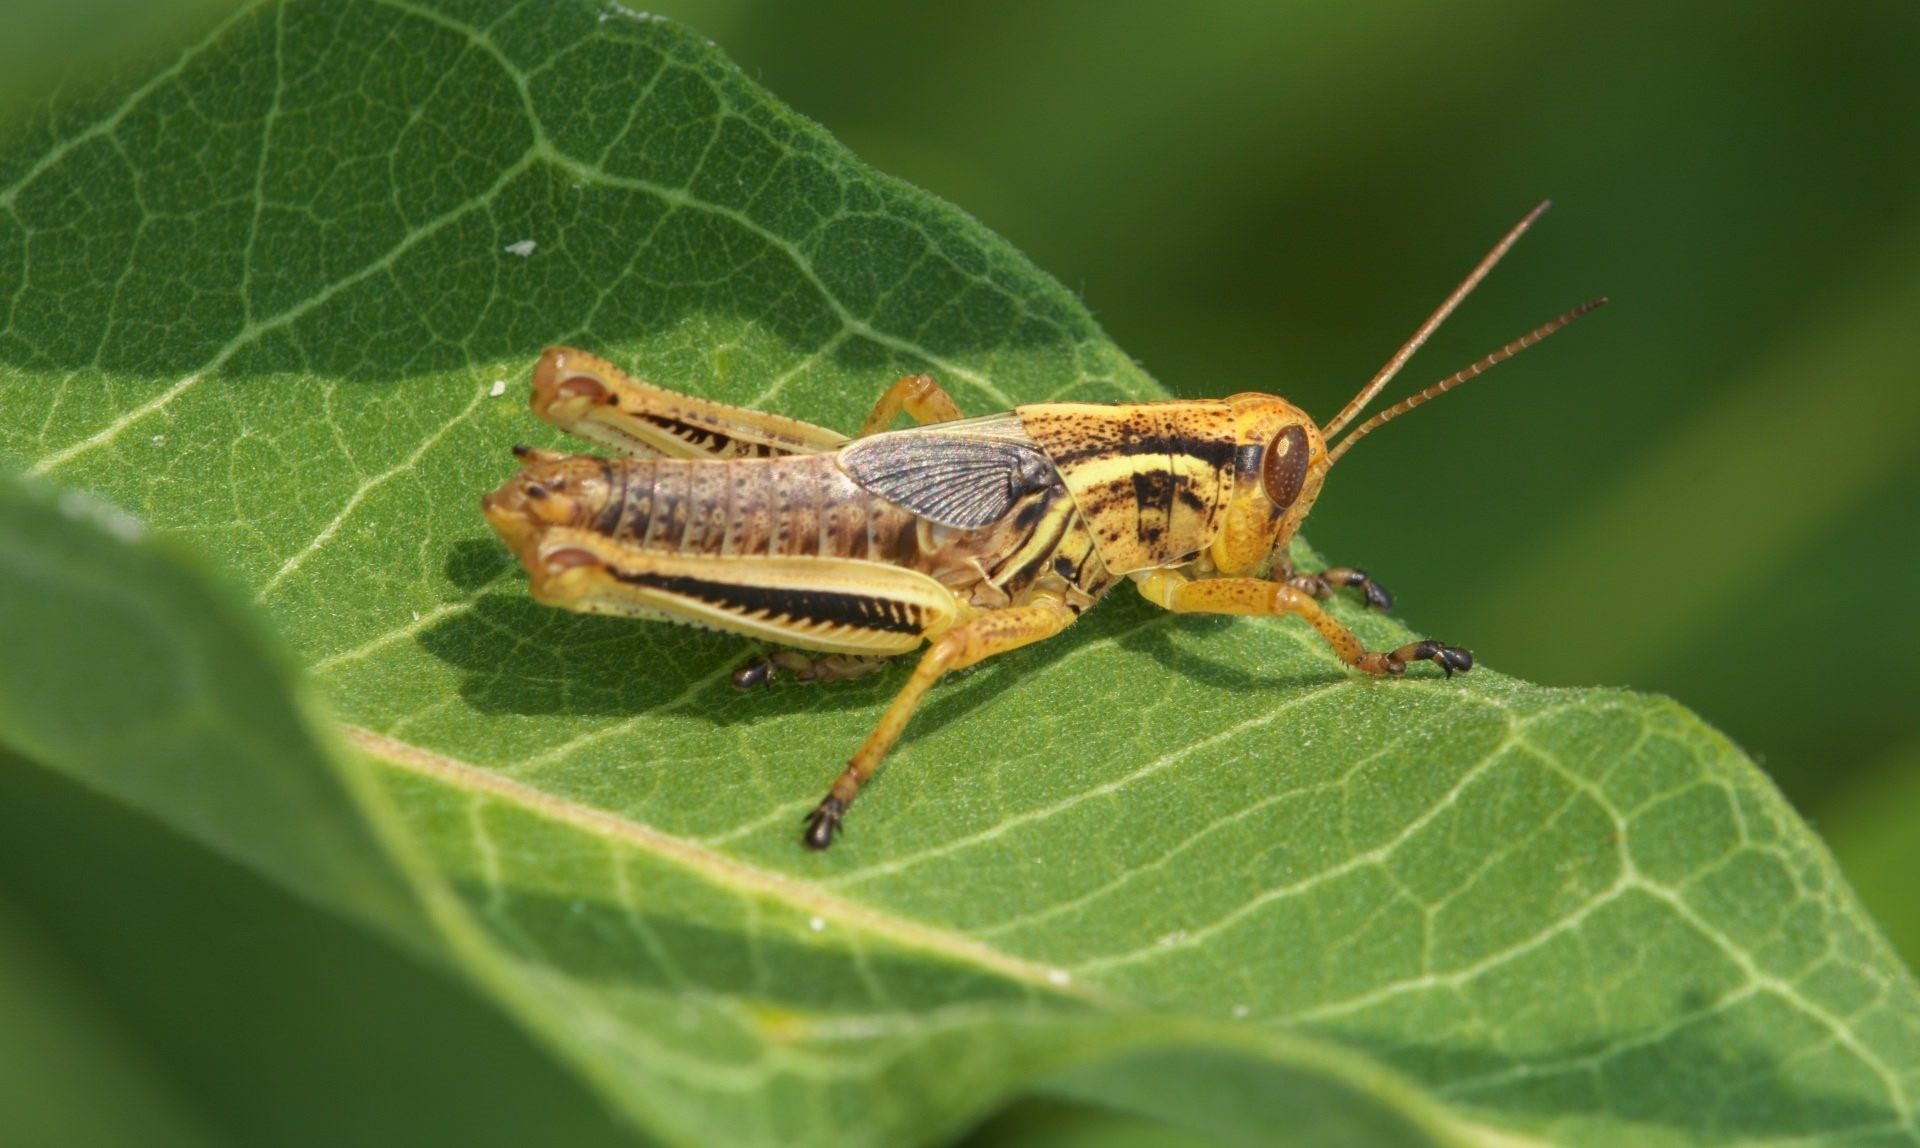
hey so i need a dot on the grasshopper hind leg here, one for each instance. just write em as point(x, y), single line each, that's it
point(806, 667)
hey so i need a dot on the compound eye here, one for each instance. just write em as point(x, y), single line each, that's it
point(1284, 471)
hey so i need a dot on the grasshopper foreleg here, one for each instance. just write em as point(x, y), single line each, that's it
point(985, 635)
point(1175, 591)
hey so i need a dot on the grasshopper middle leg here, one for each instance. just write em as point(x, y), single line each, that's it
point(807, 667)
point(981, 637)
point(1322, 584)
point(1175, 591)
point(924, 400)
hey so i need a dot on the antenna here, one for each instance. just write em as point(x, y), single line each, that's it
point(1400, 357)
point(1454, 380)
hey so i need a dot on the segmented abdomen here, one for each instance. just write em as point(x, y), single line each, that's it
point(807, 505)
point(801, 505)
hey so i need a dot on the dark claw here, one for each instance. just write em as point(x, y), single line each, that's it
point(1375, 594)
point(755, 673)
point(1352, 577)
point(521, 450)
point(824, 822)
point(1448, 658)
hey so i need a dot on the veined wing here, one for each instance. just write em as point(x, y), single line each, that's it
point(966, 474)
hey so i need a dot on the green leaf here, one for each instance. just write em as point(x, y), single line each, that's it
point(262, 290)
point(157, 994)
point(1052, 1124)
point(715, 1002)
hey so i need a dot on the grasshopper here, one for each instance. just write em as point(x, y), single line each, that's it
point(976, 535)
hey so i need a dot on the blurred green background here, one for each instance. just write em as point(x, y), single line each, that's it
point(1711, 489)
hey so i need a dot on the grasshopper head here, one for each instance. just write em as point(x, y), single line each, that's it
point(552, 490)
point(1279, 463)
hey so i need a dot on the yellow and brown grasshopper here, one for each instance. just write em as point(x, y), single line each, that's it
point(976, 535)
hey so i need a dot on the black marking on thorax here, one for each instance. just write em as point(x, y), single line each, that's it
point(1246, 461)
point(1153, 492)
point(1213, 453)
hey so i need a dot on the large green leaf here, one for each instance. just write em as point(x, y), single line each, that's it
point(261, 293)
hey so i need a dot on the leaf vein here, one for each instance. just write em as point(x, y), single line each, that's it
point(723, 871)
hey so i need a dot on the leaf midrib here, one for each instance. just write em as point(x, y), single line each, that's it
point(722, 870)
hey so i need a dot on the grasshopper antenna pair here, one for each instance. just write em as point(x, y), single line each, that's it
point(1386, 373)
